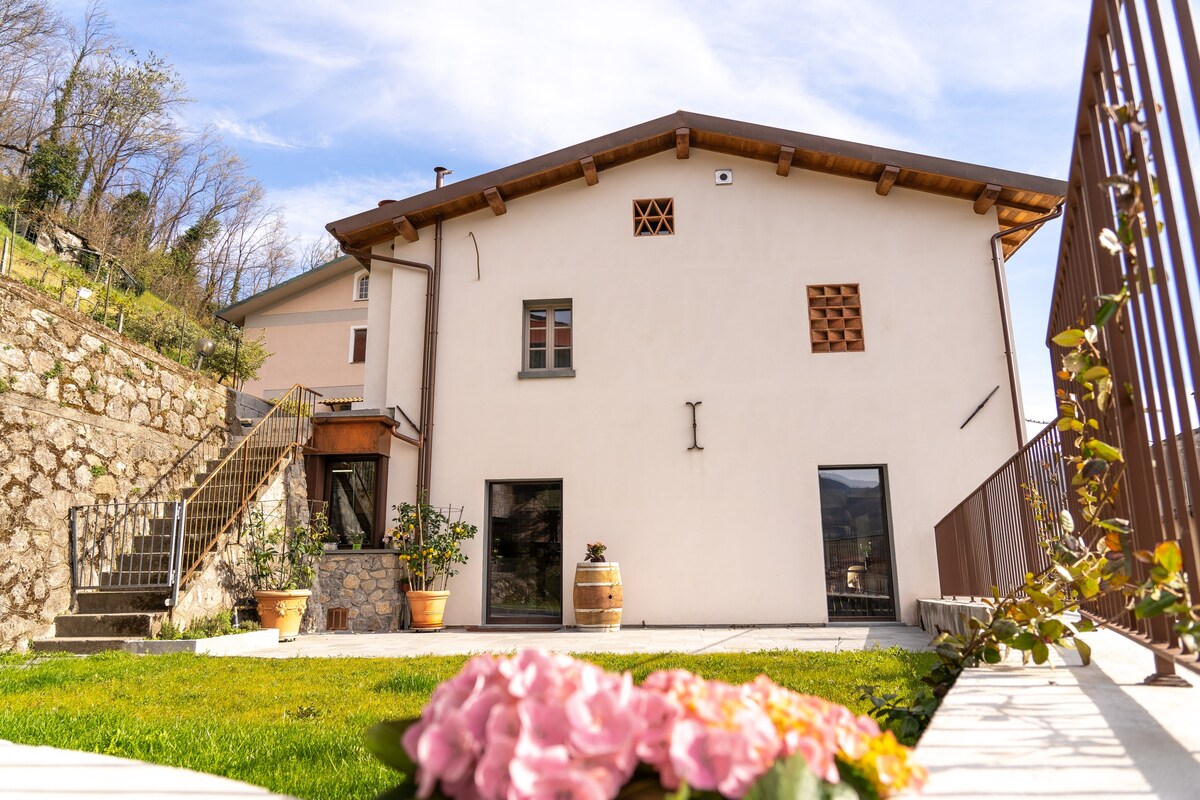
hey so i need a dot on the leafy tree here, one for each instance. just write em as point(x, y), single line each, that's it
point(53, 174)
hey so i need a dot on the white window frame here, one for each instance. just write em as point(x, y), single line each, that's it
point(350, 355)
point(549, 371)
point(358, 278)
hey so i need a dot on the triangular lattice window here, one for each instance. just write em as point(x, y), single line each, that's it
point(654, 217)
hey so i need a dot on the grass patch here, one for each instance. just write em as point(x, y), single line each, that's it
point(295, 725)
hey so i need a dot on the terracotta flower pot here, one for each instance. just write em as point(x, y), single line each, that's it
point(283, 610)
point(427, 609)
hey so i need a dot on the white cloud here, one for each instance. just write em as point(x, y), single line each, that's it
point(252, 132)
point(310, 206)
point(509, 81)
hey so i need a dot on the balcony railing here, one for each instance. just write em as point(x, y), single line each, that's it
point(1142, 63)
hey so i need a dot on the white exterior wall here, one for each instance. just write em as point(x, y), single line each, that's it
point(716, 313)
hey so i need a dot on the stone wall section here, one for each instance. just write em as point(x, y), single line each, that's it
point(86, 416)
point(367, 582)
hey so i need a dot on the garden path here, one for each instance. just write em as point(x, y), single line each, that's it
point(456, 641)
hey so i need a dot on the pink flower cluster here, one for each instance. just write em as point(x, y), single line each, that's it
point(548, 726)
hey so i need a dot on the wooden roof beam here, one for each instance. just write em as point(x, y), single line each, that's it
point(589, 170)
point(987, 198)
point(886, 180)
point(405, 229)
point(786, 154)
point(495, 201)
point(683, 137)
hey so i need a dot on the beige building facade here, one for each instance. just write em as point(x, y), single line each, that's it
point(748, 379)
point(314, 328)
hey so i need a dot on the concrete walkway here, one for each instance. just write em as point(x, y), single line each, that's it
point(453, 641)
point(1067, 732)
point(47, 773)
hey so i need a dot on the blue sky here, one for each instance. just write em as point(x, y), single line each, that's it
point(337, 104)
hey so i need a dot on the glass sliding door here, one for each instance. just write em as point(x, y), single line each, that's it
point(525, 572)
point(859, 583)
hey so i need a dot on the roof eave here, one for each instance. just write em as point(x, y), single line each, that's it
point(738, 138)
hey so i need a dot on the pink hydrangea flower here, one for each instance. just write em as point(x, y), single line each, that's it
point(538, 725)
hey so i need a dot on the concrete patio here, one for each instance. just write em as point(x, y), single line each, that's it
point(454, 641)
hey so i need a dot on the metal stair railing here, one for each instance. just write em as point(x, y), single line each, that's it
point(218, 502)
point(105, 548)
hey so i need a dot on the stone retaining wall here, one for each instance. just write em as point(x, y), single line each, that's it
point(367, 582)
point(86, 416)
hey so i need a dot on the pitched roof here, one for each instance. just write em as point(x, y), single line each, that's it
point(239, 311)
point(1019, 198)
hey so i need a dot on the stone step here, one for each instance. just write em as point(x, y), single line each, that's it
point(142, 562)
point(141, 624)
point(117, 601)
point(158, 540)
point(83, 646)
point(117, 580)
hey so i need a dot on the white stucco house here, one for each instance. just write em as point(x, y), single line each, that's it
point(749, 360)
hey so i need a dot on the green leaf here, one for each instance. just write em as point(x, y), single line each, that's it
point(1103, 450)
point(1075, 361)
point(1106, 312)
point(1024, 641)
point(1040, 652)
point(1069, 338)
point(1094, 373)
point(1089, 586)
point(1154, 604)
point(1085, 651)
point(1168, 556)
point(1066, 521)
point(787, 779)
point(384, 741)
point(991, 655)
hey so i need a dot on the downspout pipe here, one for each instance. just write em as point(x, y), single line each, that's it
point(1002, 297)
point(436, 298)
point(423, 444)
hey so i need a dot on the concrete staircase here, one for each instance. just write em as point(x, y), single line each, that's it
point(121, 608)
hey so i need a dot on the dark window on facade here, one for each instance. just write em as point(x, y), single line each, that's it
point(835, 318)
point(548, 339)
point(654, 217)
point(358, 346)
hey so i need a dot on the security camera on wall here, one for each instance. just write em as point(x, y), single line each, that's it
point(724, 177)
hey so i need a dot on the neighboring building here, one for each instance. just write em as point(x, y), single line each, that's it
point(830, 308)
point(314, 327)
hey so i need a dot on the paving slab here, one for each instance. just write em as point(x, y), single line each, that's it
point(1067, 732)
point(460, 641)
point(47, 773)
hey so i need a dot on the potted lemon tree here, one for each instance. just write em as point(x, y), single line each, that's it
point(281, 561)
point(430, 549)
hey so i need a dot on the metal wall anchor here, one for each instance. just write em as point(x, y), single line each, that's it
point(695, 443)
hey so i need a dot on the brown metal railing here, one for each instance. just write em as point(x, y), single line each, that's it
point(221, 497)
point(1134, 53)
point(994, 536)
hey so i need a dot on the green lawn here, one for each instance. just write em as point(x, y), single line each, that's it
point(295, 725)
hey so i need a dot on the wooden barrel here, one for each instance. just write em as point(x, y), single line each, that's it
point(597, 596)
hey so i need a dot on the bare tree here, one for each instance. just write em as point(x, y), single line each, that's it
point(316, 252)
